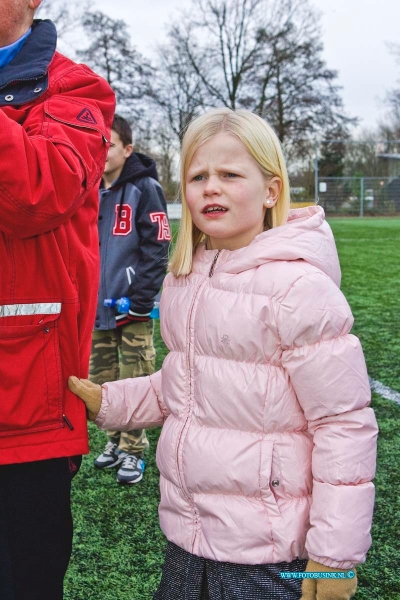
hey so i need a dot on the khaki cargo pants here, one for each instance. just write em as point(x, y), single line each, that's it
point(122, 353)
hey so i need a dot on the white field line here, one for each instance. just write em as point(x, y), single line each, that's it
point(384, 391)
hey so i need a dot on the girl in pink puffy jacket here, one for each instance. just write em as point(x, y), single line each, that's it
point(267, 450)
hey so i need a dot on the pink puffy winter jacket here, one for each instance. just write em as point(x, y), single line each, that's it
point(268, 448)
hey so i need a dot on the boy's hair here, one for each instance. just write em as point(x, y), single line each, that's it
point(124, 130)
point(262, 144)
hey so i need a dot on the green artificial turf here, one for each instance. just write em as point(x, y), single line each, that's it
point(369, 252)
point(118, 546)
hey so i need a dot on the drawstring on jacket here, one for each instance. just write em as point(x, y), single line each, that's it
point(122, 200)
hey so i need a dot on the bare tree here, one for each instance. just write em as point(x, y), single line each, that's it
point(389, 128)
point(299, 94)
point(175, 88)
point(221, 47)
point(67, 16)
point(166, 158)
point(155, 139)
point(111, 54)
point(265, 55)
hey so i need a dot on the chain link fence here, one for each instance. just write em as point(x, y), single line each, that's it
point(343, 196)
point(351, 178)
point(360, 196)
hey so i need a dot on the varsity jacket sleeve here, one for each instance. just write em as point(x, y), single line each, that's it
point(54, 158)
point(327, 370)
point(154, 233)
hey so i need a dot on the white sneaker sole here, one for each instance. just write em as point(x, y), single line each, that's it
point(123, 482)
point(114, 464)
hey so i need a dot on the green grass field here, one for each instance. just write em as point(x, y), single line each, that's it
point(118, 546)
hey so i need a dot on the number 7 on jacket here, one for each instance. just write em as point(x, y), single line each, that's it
point(164, 232)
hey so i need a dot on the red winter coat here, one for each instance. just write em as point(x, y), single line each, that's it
point(54, 127)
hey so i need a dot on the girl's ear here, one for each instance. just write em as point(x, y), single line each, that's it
point(273, 189)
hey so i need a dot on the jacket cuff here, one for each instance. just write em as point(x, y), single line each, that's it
point(138, 315)
point(101, 417)
point(330, 562)
point(126, 318)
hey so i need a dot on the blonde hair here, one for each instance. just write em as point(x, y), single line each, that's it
point(262, 144)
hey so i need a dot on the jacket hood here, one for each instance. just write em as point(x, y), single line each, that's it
point(137, 166)
point(305, 236)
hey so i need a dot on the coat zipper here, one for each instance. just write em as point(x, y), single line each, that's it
point(190, 404)
point(189, 412)
point(68, 422)
point(214, 262)
point(188, 363)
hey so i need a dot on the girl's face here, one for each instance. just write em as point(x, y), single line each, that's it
point(227, 194)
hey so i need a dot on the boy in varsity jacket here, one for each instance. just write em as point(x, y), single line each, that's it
point(134, 242)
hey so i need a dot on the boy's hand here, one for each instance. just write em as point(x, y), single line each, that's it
point(89, 392)
point(328, 589)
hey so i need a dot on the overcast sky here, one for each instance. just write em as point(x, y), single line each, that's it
point(355, 33)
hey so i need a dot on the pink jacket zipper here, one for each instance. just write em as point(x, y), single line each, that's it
point(189, 363)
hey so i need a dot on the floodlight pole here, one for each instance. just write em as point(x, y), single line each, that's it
point(316, 172)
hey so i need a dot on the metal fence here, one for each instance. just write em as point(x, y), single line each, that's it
point(360, 196)
point(174, 210)
point(370, 185)
point(342, 196)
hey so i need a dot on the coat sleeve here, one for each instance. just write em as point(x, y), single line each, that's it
point(132, 404)
point(52, 160)
point(154, 234)
point(327, 370)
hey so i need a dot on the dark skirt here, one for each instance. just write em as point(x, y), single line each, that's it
point(189, 577)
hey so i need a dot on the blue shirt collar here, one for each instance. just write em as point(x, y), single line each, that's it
point(7, 53)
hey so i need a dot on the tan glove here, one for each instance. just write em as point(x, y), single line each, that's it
point(328, 589)
point(89, 392)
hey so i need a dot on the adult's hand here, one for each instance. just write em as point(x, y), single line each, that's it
point(89, 392)
point(328, 589)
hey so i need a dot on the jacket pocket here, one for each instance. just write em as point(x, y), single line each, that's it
point(80, 126)
point(30, 372)
point(268, 477)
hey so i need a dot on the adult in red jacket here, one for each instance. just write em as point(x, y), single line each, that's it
point(55, 119)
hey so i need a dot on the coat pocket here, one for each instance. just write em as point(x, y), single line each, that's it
point(268, 479)
point(81, 127)
point(31, 388)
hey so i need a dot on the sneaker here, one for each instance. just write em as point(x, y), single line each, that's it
point(110, 457)
point(131, 470)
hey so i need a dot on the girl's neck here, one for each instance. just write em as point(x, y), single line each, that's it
point(210, 246)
